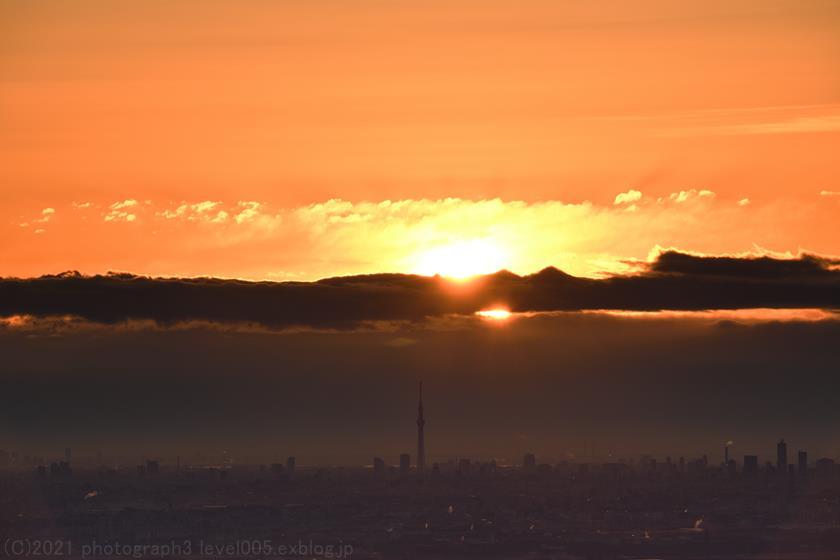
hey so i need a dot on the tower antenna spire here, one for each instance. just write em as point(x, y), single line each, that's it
point(421, 443)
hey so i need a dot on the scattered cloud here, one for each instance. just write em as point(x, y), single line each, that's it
point(683, 196)
point(121, 211)
point(44, 217)
point(253, 239)
point(744, 202)
point(249, 211)
point(627, 197)
point(128, 203)
point(200, 211)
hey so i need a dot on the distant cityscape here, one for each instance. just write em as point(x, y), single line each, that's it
point(749, 467)
point(651, 507)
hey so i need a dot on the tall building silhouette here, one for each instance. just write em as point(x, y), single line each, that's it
point(378, 466)
point(750, 465)
point(421, 442)
point(529, 461)
point(781, 456)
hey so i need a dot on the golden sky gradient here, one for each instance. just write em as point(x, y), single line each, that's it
point(295, 140)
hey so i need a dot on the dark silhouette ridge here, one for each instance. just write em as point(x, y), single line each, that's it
point(674, 281)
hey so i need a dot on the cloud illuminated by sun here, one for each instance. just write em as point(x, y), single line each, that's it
point(462, 259)
point(494, 314)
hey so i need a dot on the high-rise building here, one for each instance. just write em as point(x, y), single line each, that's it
point(378, 467)
point(781, 456)
point(802, 460)
point(405, 463)
point(290, 466)
point(731, 468)
point(67, 454)
point(421, 443)
point(825, 466)
point(529, 461)
point(61, 470)
point(750, 465)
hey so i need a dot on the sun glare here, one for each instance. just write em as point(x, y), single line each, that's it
point(494, 314)
point(462, 259)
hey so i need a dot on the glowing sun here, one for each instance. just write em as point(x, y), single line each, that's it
point(462, 259)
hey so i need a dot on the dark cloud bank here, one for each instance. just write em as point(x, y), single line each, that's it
point(675, 281)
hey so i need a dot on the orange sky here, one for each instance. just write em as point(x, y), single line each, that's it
point(265, 111)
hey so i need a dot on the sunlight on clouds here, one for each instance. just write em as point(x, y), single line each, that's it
point(451, 236)
point(630, 196)
point(741, 315)
point(122, 211)
point(248, 211)
point(462, 259)
point(682, 196)
point(205, 210)
point(494, 314)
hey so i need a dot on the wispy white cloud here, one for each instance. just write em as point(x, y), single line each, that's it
point(796, 119)
point(828, 123)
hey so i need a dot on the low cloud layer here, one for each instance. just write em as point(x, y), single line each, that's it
point(673, 281)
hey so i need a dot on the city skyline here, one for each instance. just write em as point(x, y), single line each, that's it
point(750, 461)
